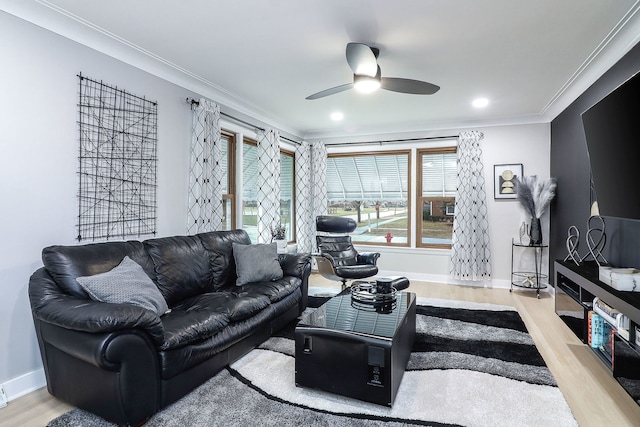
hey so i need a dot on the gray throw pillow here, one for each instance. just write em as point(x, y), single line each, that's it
point(127, 283)
point(256, 263)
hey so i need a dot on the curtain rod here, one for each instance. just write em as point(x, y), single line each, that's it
point(426, 138)
point(196, 102)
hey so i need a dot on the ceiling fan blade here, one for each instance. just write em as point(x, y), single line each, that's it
point(361, 59)
point(330, 91)
point(415, 87)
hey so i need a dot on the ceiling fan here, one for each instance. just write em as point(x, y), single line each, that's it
point(367, 78)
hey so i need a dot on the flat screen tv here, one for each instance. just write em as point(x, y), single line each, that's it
point(612, 131)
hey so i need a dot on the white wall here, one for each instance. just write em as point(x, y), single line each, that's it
point(39, 163)
point(38, 175)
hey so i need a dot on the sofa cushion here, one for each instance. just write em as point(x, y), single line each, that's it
point(127, 283)
point(274, 290)
point(177, 360)
point(256, 263)
point(202, 316)
point(67, 263)
point(182, 267)
point(194, 319)
point(233, 305)
point(219, 245)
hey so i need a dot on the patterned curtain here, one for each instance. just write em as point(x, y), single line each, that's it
point(319, 181)
point(268, 183)
point(304, 223)
point(205, 175)
point(311, 192)
point(470, 254)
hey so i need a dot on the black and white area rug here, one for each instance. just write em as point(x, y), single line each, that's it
point(472, 365)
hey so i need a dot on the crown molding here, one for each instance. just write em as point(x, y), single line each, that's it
point(52, 18)
point(620, 40)
point(42, 13)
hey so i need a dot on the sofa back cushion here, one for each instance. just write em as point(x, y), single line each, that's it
point(67, 263)
point(181, 265)
point(222, 264)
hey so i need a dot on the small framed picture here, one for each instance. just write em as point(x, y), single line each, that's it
point(503, 175)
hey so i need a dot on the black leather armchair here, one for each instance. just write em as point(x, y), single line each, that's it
point(337, 258)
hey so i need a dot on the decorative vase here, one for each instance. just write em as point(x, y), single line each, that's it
point(535, 232)
point(281, 246)
point(524, 233)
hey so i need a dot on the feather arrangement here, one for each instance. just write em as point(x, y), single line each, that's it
point(535, 194)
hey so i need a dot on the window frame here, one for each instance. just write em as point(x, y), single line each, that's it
point(420, 199)
point(292, 154)
point(408, 153)
point(230, 195)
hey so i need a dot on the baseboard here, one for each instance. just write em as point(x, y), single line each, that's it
point(24, 384)
point(436, 278)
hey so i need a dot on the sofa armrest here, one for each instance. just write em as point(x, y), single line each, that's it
point(294, 264)
point(113, 374)
point(370, 258)
point(298, 265)
point(50, 305)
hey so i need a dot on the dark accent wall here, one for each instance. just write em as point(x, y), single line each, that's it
point(570, 165)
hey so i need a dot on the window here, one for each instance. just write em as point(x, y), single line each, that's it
point(287, 193)
point(437, 183)
point(373, 189)
point(228, 144)
point(250, 193)
point(250, 188)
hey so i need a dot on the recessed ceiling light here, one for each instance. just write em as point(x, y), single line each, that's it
point(337, 116)
point(480, 102)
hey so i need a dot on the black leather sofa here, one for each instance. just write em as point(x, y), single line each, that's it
point(124, 362)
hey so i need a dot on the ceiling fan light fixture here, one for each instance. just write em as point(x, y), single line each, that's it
point(362, 60)
point(366, 84)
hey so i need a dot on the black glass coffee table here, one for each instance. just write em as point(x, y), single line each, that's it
point(354, 352)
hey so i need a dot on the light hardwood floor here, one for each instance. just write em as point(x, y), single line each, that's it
point(595, 398)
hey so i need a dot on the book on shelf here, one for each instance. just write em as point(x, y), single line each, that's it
point(600, 331)
point(617, 320)
point(590, 327)
point(606, 308)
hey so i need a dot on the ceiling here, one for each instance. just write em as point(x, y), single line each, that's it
point(263, 57)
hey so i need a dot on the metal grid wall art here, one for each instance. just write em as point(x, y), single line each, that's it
point(118, 163)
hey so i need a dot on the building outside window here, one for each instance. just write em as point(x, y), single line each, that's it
point(373, 189)
point(437, 177)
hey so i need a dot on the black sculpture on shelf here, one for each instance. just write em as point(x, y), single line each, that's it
point(573, 242)
point(596, 244)
point(596, 239)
